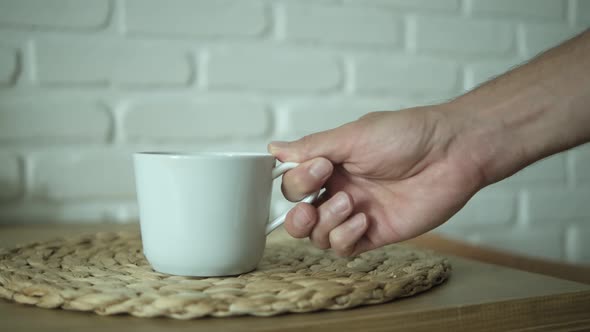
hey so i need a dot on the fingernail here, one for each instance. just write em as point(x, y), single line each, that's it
point(320, 169)
point(339, 203)
point(300, 219)
point(277, 145)
point(358, 222)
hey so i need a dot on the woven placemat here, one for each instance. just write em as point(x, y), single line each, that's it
point(107, 273)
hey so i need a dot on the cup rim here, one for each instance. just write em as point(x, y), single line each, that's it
point(202, 155)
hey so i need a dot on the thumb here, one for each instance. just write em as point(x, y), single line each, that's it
point(332, 144)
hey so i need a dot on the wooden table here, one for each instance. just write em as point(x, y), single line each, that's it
point(478, 297)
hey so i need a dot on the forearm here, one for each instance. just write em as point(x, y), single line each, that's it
point(536, 110)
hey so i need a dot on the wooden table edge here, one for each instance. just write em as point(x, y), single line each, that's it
point(567, 310)
point(444, 245)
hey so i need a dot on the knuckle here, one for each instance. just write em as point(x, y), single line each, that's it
point(304, 212)
point(335, 240)
point(318, 241)
point(343, 251)
point(339, 245)
point(330, 210)
point(295, 184)
point(290, 191)
point(307, 141)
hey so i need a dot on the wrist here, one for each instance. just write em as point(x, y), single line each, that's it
point(451, 135)
point(489, 144)
point(529, 113)
point(503, 133)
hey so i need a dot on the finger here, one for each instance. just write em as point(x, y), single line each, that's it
point(344, 238)
point(330, 214)
point(333, 144)
point(306, 178)
point(301, 220)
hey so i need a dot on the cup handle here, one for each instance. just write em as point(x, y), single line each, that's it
point(276, 172)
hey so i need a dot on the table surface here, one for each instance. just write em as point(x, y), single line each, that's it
point(478, 296)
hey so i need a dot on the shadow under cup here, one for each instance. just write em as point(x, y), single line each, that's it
point(203, 214)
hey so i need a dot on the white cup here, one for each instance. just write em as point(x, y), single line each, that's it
point(206, 214)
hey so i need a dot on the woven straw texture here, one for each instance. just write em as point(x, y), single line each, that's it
point(107, 273)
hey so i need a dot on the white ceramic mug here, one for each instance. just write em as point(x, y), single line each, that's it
point(206, 214)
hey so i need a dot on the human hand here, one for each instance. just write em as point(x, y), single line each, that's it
point(389, 176)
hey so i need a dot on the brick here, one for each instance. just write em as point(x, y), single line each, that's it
point(41, 121)
point(10, 177)
point(406, 75)
point(456, 35)
point(88, 175)
point(127, 65)
point(426, 5)
point(486, 208)
point(68, 14)
point(555, 205)
point(98, 211)
point(178, 120)
point(273, 71)
point(577, 246)
point(8, 66)
point(538, 242)
point(196, 18)
point(343, 25)
point(549, 171)
point(309, 120)
point(540, 37)
point(583, 12)
point(582, 164)
point(539, 9)
point(297, 119)
point(478, 73)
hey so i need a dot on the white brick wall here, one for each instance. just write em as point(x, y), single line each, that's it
point(94, 63)
point(479, 72)
point(10, 177)
point(541, 243)
point(344, 25)
point(179, 120)
point(577, 246)
point(477, 213)
point(423, 5)
point(273, 69)
point(63, 121)
point(82, 175)
point(549, 204)
point(457, 35)
point(412, 74)
point(196, 18)
point(299, 119)
point(540, 36)
point(519, 9)
point(582, 11)
point(55, 14)
point(8, 66)
point(581, 165)
point(83, 84)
